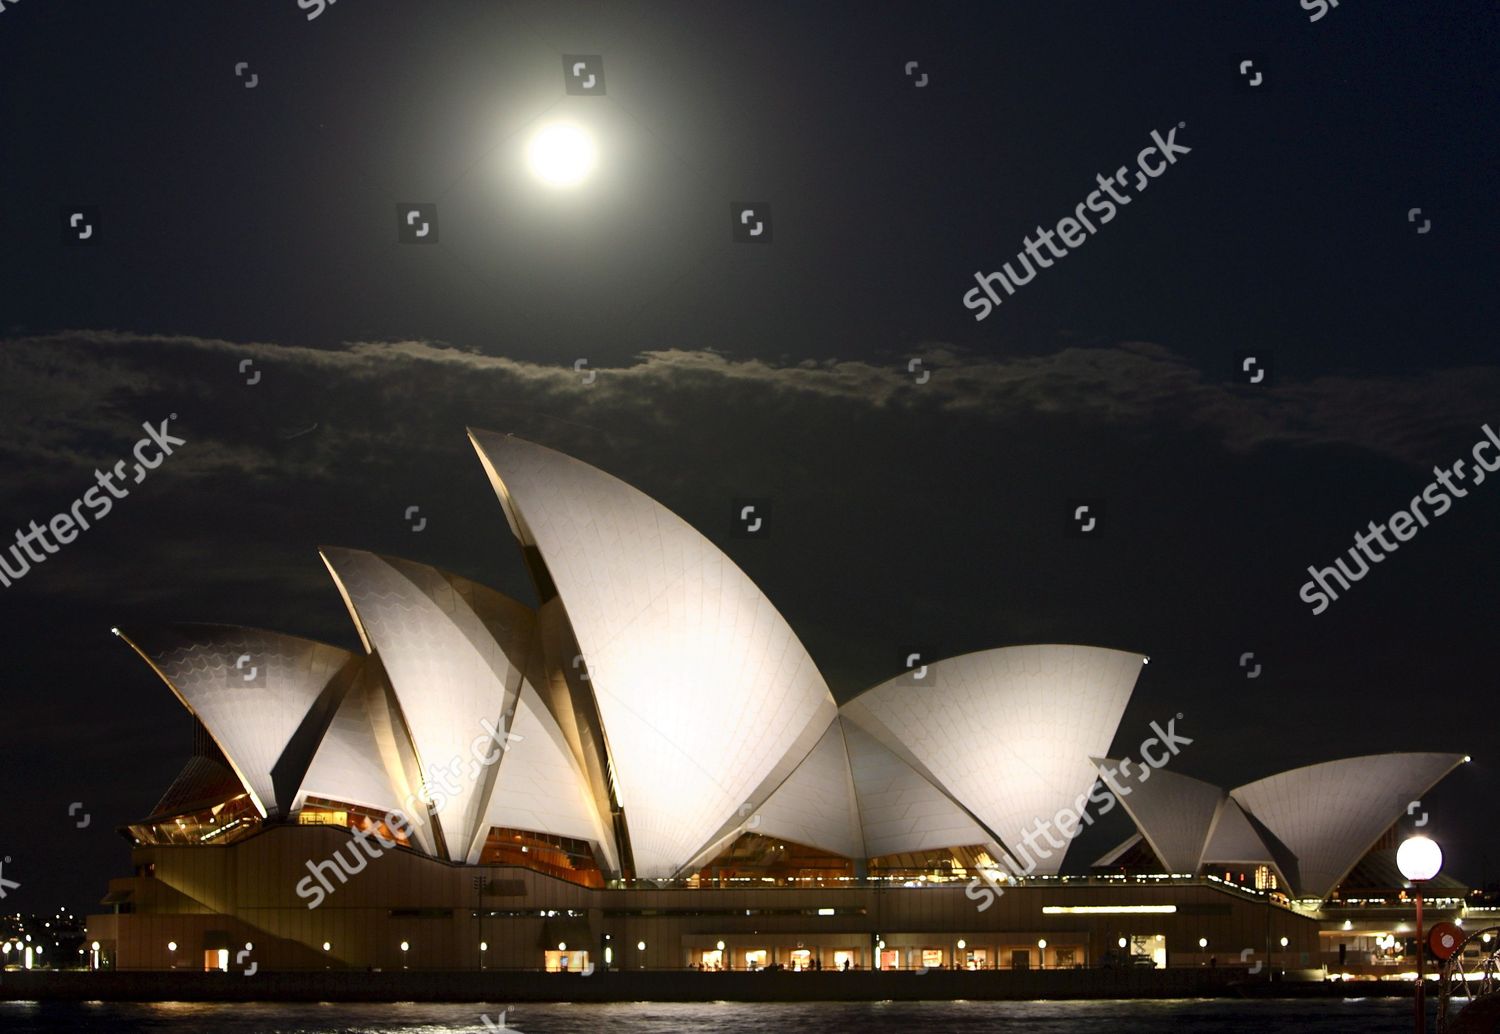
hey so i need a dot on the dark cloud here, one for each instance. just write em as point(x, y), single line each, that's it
point(76, 391)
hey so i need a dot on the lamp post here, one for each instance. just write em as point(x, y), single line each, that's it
point(1419, 860)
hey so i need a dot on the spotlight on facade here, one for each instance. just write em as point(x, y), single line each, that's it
point(1123, 942)
point(562, 945)
point(640, 945)
point(171, 945)
point(1203, 942)
point(1283, 942)
point(720, 945)
point(327, 946)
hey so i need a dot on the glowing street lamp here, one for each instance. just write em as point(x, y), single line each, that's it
point(1419, 860)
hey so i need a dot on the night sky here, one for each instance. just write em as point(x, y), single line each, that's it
point(913, 507)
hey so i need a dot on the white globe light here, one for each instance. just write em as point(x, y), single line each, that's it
point(1419, 859)
point(561, 154)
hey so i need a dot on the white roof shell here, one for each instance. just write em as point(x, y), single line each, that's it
point(348, 766)
point(816, 804)
point(901, 811)
point(702, 687)
point(456, 655)
point(1174, 812)
point(252, 690)
point(1007, 733)
point(1235, 839)
point(1330, 815)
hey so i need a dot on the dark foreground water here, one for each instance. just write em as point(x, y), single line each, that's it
point(1219, 1016)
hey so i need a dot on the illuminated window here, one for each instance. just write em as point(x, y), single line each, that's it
point(566, 961)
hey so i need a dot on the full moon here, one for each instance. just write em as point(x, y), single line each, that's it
point(561, 155)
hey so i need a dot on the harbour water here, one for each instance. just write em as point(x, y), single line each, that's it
point(1196, 1016)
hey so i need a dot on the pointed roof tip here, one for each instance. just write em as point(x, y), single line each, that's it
point(1454, 758)
point(474, 432)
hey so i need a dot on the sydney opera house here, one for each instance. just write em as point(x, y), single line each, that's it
point(646, 770)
